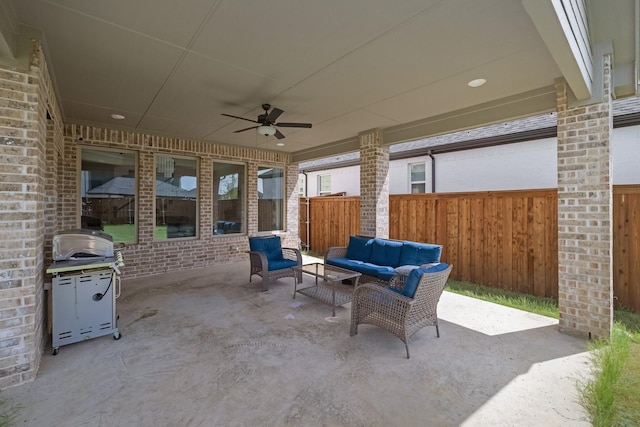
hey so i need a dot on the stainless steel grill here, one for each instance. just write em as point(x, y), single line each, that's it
point(86, 276)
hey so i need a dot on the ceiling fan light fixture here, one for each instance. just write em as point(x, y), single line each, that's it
point(266, 130)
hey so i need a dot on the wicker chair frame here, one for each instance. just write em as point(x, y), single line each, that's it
point(402, 316)
point(259, 264)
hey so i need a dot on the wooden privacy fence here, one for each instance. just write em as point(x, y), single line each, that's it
point(626, 246)
point(505, 239)
point(331, 221)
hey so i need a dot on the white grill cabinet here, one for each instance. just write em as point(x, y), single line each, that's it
point(85, 286)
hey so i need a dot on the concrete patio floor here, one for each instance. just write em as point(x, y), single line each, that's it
point(207, 348)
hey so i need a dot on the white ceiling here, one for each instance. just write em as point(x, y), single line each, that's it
point(347, 66)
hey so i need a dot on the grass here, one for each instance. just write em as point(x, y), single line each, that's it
point(543, 306)
point(125, 233)
point(612, 396)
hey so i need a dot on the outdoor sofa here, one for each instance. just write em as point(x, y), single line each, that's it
point(380, 259)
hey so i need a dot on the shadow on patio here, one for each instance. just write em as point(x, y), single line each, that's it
point(207, 348)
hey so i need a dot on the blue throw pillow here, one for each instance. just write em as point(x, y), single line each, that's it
point(411, 285)
point(414, 253)
point(270, 246)
point(359, 248)
point(385, 252)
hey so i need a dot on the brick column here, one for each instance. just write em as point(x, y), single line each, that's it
point(292, 200)
point(374, 185)
point(585, 260)
point(25, 96)
point(252, 198)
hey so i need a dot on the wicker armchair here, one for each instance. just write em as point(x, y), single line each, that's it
point(402, 316)
point(269, 260)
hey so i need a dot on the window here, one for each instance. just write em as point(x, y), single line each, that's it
point(270, 199)
point(302, 184)
point(417, 178)
point(176, 192)
point(228, 198)
point(108, 191)
point(324, 184)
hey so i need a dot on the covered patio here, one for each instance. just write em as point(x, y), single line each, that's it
point(205, 347)
point(175, 84)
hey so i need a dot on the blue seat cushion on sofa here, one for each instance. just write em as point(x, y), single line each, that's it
point(386, 252)
point(379, 271)
point(414, 253)
point(411, 284)
point(359, 248)
point(279, 264)
point(386, 275)
point(349, 264)
point(270, 246)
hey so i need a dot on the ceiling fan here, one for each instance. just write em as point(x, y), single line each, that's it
point(267, 122)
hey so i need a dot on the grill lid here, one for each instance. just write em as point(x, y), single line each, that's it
point(81, 244)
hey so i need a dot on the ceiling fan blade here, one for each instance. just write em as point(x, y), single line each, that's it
point(294, 125)
point(278, 134)
point(241, 118)
point(274, 114)
point(249, 128)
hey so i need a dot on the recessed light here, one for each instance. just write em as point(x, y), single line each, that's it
point(117, 116)
point(476, 83)
point(280, 144)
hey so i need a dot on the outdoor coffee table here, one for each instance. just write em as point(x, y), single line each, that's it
point(329, 289)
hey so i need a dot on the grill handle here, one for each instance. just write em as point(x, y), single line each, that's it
point(118, 286)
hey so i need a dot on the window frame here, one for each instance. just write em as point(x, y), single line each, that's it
point(198, 191)
point(245, 198)
point(412, 182)
point(320, 179)
point(283, 203)
point(136, 204)
point(301, 185)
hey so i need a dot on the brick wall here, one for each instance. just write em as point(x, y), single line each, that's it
point(148, 257)
point(374, 185)
point(25, 98)
point(585, 282)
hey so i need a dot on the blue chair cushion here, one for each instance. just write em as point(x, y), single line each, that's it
point(386, 252)
point(411, 284)
point(414, 253)
point(281, 263)
point(359, 248)
point(270, 246)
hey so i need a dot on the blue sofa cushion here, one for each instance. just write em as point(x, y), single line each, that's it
point(279, 264)
point(386, 275)
point(379, 271)
point(270, 246)
point(419, 253)
point(359, 248)
point(411, 284)
point(345, 263)
point(375, 270)
point(386, 252)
